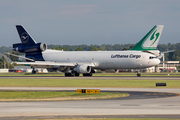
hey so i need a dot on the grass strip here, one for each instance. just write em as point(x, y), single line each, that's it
point(43, 96)
point(87, 83)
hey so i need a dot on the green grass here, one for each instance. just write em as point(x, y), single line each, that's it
point(22, 95)
point(86, 83)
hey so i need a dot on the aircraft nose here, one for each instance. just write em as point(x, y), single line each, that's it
point(157, 61)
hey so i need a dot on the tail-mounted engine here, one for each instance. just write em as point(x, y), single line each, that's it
point(154, 52)
point(28, 48)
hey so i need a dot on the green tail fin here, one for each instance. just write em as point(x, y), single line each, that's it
point(150, 40)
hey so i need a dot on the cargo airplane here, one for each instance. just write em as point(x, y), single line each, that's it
point(74, 63)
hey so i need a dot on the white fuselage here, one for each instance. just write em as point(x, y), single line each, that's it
point(103, 59)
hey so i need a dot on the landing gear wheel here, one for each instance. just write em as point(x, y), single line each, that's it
point(87, 74)
point(72, 74)
point(33, 71)
point(66, 74)
point(76, 74)
point(69, 74)
point(138, 75)
point(90, 74)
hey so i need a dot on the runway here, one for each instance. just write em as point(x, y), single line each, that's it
point(164, 107)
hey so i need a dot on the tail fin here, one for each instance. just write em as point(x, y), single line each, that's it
point(24, 36)
point(150, 40)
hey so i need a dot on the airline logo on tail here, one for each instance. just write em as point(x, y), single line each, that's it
point(154, 38)
point(24, 37)
point(150, 40)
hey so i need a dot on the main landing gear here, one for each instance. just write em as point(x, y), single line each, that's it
point(87, 74)
point(72, 74)
point(138, 73)
point(33, 71)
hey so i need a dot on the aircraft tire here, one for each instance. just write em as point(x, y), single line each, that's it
point(66, 74)
point(90, 74)
point(76, 74)
point(138, 75)
point(87, 74)
point(33, 72)
point(72, 74)
point(69, 74)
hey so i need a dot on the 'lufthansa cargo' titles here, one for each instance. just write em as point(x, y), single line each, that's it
point(126, 56)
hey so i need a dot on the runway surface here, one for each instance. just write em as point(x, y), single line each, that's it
point(164, 107)
point(104, 77)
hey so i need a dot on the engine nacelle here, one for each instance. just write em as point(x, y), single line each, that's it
point(25, 48)
point(82, 69)
point(155, 52)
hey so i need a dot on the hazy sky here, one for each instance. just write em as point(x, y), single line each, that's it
point(76, 22)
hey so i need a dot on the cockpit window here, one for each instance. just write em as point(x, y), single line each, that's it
point(152, 57)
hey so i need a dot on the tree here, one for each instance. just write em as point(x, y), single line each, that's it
point(79, 49)
point(176, 56)
point(125, 49)
point(60, 48)
point(95, 49)
point(5, 64)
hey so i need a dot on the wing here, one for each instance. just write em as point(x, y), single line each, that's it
point(47, 64)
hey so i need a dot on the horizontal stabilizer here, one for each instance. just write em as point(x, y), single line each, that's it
point(20, 56)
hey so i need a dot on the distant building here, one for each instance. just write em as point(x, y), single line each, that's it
point(168, 65)
point(4, 70)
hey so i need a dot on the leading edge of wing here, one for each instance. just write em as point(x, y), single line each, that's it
point(39, 63)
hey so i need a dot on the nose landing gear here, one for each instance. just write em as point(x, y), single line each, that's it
point(138, 73)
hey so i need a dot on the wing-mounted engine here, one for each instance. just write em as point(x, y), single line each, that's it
point(82, 69)
point(26, 48)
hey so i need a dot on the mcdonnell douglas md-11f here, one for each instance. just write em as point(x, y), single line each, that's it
point(73, 63)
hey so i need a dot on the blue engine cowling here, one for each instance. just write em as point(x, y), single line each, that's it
point(25, 48)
